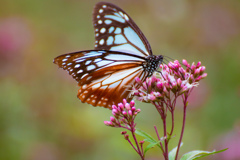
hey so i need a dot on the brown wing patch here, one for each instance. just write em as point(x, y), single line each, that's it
point(111, 89)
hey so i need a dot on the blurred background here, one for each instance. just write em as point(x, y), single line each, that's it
point(41, 117)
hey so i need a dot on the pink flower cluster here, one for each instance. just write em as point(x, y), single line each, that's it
point(174, 80)
point(124, 113)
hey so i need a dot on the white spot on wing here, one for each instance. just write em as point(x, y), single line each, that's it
point(103, 30)
point(85, 75)
point(101, 42)
point(77, 66)
point(107, 21)
point(91, 67)
point(121, 13)
point(99, 21)
point(88, 62)
point(100, 10)
point(80, 71)
point(115, 18)
point(84, 86)
point(126, 17)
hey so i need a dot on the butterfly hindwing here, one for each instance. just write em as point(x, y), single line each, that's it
point(104, 77)
point(116, 31)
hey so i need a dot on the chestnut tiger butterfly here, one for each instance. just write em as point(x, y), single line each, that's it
point(107, 73)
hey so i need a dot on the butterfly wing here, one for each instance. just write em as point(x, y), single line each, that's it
point(104, 77)
point(116, 31)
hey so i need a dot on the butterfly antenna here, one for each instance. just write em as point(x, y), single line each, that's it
point(168, 57)
point(162, 75)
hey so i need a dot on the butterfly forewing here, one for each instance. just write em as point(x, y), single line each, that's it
point(104, 77)
point(116, 31)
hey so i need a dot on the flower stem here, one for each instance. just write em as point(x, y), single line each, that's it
point(141, 154)
point(165, 136)
point(161, 146)
point(172, 114)
point(183, 125)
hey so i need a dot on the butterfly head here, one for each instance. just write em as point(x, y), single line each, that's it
point(152, 63)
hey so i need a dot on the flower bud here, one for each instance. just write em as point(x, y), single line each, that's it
point(191, 79)
point(196, 73)
point(138, 110)
point(108, 123)
point(132, 103)
point(127, 106)
point(120, 106)
point(179, 82)
point(130, 113)
point(185, 63)
point(114, 107)
point(123, 132)
point(193, 67)
point(115, 112)
point(160, 86)
point(124, 113)
point(141, 142)
point(124, 101)
point(198, 64)
point(112, 119)
point(126, 136)
point(202, 69)
point(133, 109)
point(204, 75)
point(198, 78)
point(153, 79)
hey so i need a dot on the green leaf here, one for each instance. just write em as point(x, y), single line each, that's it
point(172, 153)
point(148, 137)
point(199, 154)
point(151, 145)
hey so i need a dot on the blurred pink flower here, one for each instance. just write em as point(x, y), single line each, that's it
point(231, 141)
point(15, 36)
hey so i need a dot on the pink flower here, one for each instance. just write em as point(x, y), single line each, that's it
point(174, 80)
point(123, 115)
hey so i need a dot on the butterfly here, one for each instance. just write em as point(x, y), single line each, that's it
point(107, 73)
